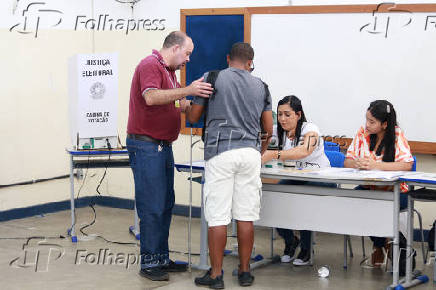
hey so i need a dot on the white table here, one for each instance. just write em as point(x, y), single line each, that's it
point(353, 221)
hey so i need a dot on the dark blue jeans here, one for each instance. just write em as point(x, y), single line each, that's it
point(305, 236)
point(153, 173)
point(380, 241)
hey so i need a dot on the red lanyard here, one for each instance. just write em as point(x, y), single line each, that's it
point(172, 81)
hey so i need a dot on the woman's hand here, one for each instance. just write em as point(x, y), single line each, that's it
point(268, 155)
point(366, 163)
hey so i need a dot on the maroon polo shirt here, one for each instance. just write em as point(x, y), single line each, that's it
point(161, 122)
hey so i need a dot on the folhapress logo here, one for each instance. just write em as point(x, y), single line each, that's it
point(37, 15)
point(33, 16)
point(37, 255)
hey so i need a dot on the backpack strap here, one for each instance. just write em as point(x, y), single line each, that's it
point(267, 93)
point(267, 102)
point(211, 79)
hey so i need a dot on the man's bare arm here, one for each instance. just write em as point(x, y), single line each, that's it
point(267, 126)
point(194, 113)
point(162, 97)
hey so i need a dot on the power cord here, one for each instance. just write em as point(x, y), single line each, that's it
point(91, 205)
point(99, 236)
point(78, 193)
point(28, 239)
point(35, 181)
point(105, 169)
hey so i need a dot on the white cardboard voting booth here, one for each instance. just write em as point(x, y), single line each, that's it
point(93, 92)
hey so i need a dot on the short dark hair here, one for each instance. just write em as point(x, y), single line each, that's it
point(175, 38)
point(241, 51)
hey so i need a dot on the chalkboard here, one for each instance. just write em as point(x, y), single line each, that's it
point(213, 36)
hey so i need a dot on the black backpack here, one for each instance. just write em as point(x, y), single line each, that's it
point(211, 79)
point(403, 256)
point(431, 237)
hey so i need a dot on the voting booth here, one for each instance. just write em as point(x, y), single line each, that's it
point(93, 92)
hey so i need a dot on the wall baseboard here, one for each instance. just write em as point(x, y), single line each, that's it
point(107, 201)
point(113, 202)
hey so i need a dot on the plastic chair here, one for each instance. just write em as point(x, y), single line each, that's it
point(336, 158)
point(424, 254)
point(425, 195)
point(331, 146)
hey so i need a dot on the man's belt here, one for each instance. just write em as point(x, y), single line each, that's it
point(148, 139)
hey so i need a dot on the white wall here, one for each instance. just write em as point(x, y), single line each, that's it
point(34, 91)
point(34, 95)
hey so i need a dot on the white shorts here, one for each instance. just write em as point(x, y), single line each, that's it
point(232, 187)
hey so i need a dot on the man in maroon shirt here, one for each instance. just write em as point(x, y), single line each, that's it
point(156, 100)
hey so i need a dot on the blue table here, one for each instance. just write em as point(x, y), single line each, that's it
point(198, 167)
point(85, 159)
point(416, 179)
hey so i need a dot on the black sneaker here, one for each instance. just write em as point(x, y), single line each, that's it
point(303, 258)
point(207, 280)
point(174, 267)
point(245, 279)
point(154, 274)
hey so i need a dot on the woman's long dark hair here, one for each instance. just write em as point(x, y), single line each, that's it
point(383, 111)
point(296, 106)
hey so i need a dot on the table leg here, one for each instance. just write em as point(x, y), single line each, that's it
point(395, 258)
point(134, 230)
point(73, 217)
point(409, 255)
point(203, 235)
point(434, 264)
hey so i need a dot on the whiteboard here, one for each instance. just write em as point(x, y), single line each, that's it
point(337, 63)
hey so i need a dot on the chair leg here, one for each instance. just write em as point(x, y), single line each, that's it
point(349, 246)
point(345, 252)
point(363, 247)
point(434, 265)
point(234, 228)
point(424, 254)
point(311, 247)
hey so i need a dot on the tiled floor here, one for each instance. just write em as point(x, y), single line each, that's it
point(86, 265)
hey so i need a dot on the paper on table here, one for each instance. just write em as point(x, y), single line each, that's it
point(337, 173)
point(351, 173)
point(423, 176)
point(197, 163)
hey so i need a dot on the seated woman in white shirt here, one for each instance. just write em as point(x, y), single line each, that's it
point(300, 141)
